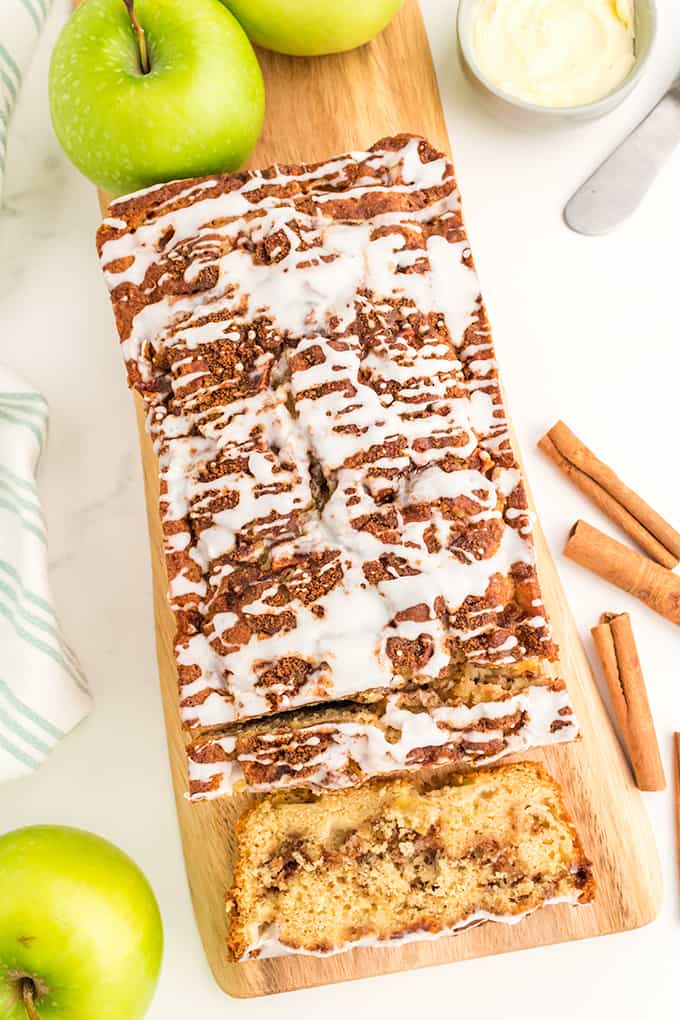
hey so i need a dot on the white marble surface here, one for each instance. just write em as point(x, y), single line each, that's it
point(586, 329)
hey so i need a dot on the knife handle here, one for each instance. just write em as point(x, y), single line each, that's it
point(618, 185)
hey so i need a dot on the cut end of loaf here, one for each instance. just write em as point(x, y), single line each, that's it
point(395, 861)
point(344, 745)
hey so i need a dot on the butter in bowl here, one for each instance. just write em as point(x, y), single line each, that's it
point(564, 60)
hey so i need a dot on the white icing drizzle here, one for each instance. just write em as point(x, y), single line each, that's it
point(366, 746)
point(269, 944)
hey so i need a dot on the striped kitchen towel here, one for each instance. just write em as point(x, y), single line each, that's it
point(21, 22)
point(43, 693)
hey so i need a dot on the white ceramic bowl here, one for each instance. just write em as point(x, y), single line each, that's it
point(531, 113)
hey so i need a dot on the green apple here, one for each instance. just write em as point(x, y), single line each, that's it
point(80, 931)
point(198, 109)
point(309, 28)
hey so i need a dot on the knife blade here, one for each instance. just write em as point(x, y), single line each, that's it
point(618, 185)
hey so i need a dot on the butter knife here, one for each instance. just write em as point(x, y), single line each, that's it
point(619, 184)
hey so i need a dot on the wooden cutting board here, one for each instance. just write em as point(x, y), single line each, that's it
point(317, 108)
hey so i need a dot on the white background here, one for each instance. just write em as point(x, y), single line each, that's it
point(586, 329)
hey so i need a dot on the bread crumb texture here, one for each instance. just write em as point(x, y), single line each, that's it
point(394, 860)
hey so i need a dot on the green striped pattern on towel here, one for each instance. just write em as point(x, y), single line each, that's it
point(21, 22)
point(33, 620)
point(43, 693)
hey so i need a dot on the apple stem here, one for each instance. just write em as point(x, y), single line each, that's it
point(141, 36)
point(27, 992)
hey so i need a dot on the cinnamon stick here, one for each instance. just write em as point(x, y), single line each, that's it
point(657, 587)
point(606, 490)
point(616, 648)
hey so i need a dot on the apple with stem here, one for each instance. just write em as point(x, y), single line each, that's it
point(309, 28)
point(80, 932)
point(143, 91)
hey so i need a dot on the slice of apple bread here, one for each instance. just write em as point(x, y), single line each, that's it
point(395, 861)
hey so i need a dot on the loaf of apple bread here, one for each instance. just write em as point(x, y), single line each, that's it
point(346, 528)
